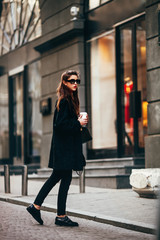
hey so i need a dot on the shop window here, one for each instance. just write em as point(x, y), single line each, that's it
point(19, 23)
point(103, 92)
point(34, 116)
point(17, 144)
point(4, 127)
point(25, 119)
point(126, 58)
point(141, 80)
point(132, 82)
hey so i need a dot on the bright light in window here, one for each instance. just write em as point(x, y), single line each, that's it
point(96, 3)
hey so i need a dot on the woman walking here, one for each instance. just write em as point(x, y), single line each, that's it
point(66, 148)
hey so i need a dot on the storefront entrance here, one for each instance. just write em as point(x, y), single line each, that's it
point(131, 88)
point(25, 120)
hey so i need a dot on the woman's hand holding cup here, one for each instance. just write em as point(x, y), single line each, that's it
point(83, 118)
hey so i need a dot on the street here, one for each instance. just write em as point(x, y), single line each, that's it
point(17, 224)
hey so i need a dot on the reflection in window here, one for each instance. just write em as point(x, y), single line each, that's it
point(134, 130)
point(19, 23)
point(141, 79)
point(103, 92)
point(96, 3)
point(4, 128)
point(18, 121)
point(103, 1)
point(126, 58)
point(35, 118)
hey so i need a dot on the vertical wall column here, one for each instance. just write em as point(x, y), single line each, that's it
point(63, 54)
point(152, 141)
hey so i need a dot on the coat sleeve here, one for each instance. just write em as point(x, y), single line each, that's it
point(63, 120)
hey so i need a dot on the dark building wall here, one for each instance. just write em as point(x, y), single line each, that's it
point(55, 14)
point(60, 55)
point(109, 14)
point(19, 57)
point(152, 141)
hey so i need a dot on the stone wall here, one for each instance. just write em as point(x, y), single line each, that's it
point(67, 54)
point(55, 14)
point(152, 141)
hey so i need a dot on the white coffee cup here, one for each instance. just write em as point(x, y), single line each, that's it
point(83, 114)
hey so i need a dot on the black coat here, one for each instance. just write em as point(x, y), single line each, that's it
point(66, 144)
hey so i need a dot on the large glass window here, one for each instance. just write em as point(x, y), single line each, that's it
point(127, 83)
point(141, 80)
point(4, 120)
point(103, 92)
point(18, 124)
point(34, 116)
point(132, 79)
point(25, 118)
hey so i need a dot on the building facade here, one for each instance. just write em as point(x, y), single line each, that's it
point(115, 47)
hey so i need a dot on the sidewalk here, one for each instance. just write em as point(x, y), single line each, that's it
point(121, 208)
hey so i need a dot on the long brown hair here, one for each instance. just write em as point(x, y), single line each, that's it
point(64, 92)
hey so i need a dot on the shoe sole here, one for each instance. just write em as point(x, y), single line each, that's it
point(63, 225)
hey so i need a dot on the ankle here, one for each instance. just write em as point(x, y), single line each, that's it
point(61, 216)
point(37, 206)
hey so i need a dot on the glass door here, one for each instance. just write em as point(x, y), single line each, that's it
point(33, 115)
point(131, 79)
point(4, 126)
point(127, 87)
point(16, 119)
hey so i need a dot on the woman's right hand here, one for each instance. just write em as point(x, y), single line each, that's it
point(83, 121)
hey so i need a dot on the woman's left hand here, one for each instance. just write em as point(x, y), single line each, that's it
point(83, 121)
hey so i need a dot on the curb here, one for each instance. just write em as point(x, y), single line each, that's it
point(118, 222)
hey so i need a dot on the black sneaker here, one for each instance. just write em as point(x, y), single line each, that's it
point(65, 221)
point(35, 213)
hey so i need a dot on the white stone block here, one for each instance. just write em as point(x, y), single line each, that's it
point(145, 181)
point(138, 180)
point(141, 178)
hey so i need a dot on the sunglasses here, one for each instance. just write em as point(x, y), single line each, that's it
point(73, 81)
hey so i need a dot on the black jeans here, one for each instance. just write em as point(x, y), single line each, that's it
point(65, 176)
